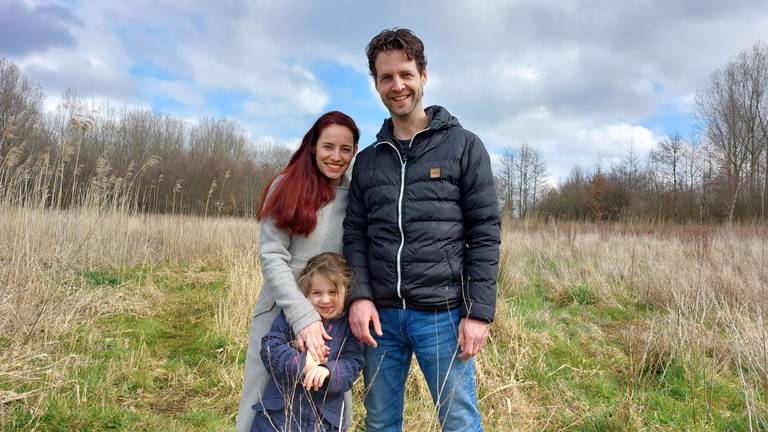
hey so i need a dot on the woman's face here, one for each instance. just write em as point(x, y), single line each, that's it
point(334, 151)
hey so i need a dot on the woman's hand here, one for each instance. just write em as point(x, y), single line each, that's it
point(311, 339)
point(314, 379)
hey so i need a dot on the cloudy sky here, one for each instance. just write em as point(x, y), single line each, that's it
point(580, 81)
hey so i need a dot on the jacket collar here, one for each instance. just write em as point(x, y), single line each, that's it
point(439, 117)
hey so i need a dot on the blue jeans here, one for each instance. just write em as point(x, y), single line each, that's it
point(433, 337)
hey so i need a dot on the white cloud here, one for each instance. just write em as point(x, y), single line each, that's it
point(575, 80)
point(86, 74)
point(309, 99)
point(565, 143)
point(614, 140)
point(180, 91)
point(515, 72)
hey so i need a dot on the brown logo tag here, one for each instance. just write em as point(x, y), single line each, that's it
point(434, 172)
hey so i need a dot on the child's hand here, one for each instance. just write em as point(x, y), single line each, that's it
point(315, 378)
point(311, 339)
point(309, 364)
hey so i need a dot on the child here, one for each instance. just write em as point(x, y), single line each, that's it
point(303, 394)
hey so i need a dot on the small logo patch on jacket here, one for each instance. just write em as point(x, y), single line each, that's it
point(434, 172)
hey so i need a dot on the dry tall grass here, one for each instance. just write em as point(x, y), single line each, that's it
point(705, 286)
point(233, 316)
point(58, 224)
point(42, 252)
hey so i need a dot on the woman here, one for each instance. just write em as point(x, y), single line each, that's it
point(301, 215)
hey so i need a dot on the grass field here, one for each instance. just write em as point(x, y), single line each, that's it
point(116, 322)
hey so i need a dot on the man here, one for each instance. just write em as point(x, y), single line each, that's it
point(422, 234)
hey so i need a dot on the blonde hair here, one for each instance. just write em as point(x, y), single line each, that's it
point(333, 267)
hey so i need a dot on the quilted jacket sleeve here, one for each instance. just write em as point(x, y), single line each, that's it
point(282, 361)
point(346, 368)
point(355, 236)
point(481, 230)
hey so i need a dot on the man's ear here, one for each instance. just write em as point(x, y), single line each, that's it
point(424, 75)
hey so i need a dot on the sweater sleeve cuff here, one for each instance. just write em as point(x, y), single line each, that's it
point(327, 382)
point(333, 384)
point(304, 321)
point(297, 365)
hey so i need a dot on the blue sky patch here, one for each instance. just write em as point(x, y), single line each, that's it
point(669, 121)
point(148, 69)
point(350, 93)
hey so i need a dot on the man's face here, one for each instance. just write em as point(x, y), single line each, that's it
point(399, 83)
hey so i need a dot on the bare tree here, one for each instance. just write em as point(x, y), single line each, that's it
point(20, 101)
point(506, 180)
point(733, 108)
point(667, 159)
point(529, 178)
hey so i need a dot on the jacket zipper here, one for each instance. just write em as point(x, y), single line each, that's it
point(403, 162)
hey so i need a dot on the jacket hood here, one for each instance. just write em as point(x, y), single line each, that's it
point(346, 178)
point(439, 117)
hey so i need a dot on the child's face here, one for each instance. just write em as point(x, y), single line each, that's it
point(327, 299)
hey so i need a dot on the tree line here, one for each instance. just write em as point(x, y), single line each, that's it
point(131, 159)
point(717, 172)
point(141, 160)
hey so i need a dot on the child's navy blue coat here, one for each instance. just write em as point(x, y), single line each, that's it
point(284, 395)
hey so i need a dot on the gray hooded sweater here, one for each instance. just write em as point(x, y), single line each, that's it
point(282, 257)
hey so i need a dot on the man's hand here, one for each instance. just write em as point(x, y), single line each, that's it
point(312, 340)
point(473, 334)
point(314, 379)
point(361, 314)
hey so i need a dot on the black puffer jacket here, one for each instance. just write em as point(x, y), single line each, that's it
point(422, 224)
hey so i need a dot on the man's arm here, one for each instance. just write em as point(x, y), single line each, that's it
point(481, 256)
point(356, 237)
point(482, 234)
point(362, 312)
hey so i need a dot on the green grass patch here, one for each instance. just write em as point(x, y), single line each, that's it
point(161, 371)
point(98, 278)
point(582, 371)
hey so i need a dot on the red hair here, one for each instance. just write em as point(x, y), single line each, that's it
point(302, 188)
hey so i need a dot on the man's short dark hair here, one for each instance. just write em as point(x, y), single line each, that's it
point(396, 39)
